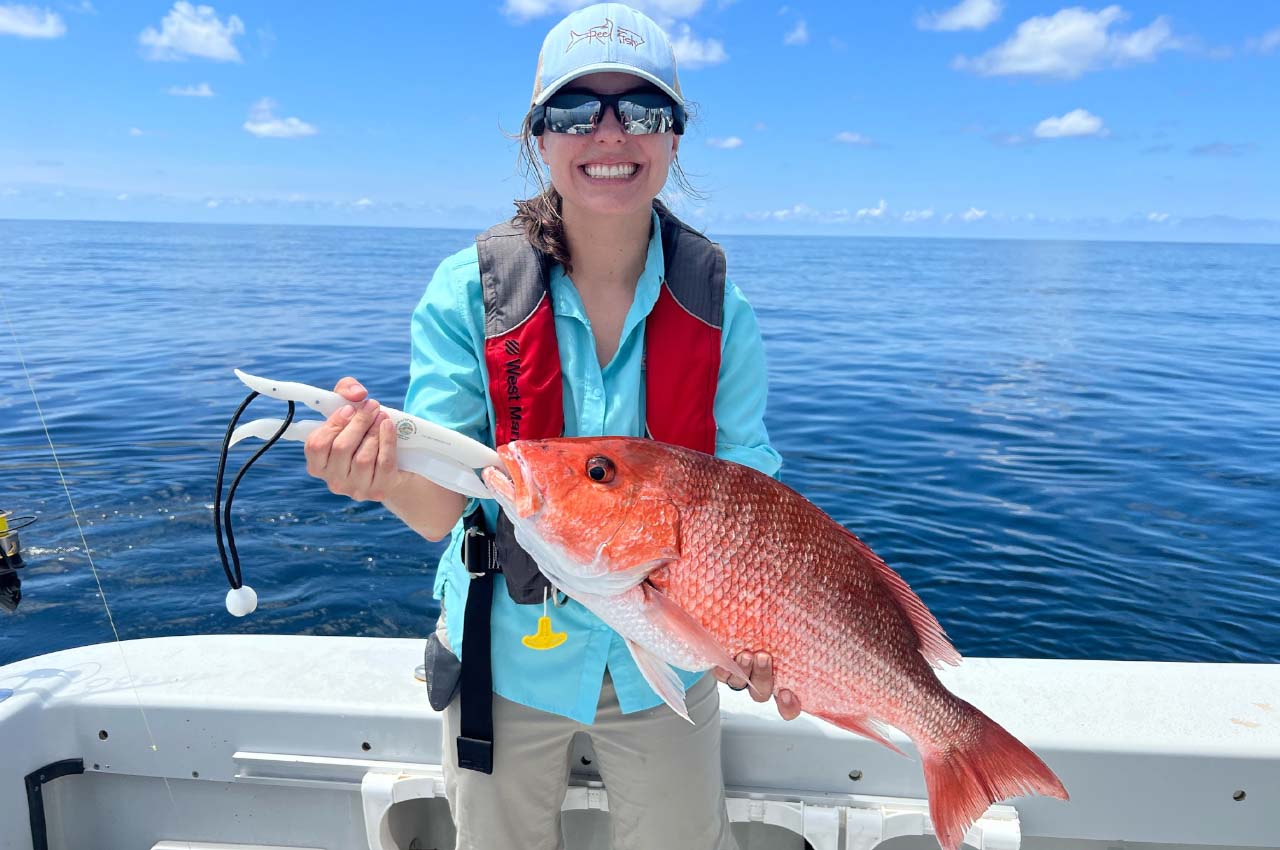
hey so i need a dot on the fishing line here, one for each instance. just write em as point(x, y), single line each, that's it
point(84, 542)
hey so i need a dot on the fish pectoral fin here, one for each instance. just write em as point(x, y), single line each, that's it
point(674, 619)
point(661, 676)
point(860, 724)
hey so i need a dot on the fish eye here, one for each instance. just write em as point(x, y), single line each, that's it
point(600, 469)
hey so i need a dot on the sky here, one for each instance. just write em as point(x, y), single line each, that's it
point(987, 118)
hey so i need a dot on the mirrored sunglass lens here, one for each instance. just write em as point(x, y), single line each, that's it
point(577, 119)
point(642, 119)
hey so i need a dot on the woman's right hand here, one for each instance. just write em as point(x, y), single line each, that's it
point(354, 451)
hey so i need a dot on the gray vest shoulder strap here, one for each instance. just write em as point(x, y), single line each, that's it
point(695, 268)
point(513, 275)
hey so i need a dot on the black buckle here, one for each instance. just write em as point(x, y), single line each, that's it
point(474, 754)
point(478, 552)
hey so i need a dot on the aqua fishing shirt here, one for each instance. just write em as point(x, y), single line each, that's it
point(448, 386)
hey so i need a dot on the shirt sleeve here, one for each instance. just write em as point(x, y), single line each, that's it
point(446, 375)
point(741, 435)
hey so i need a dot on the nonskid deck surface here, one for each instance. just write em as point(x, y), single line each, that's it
point(329, 743)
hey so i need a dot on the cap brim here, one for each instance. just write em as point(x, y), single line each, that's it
point(600, 67)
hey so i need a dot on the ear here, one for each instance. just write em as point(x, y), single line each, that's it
point(675, 146)
point(542, 146)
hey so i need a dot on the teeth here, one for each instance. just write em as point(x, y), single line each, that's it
point(619, 170)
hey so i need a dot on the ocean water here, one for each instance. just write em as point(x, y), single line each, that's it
point(1068, 449)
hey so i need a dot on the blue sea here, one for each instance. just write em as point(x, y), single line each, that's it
point(1069, 449)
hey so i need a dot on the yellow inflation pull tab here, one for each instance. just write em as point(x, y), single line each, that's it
point(544, 638)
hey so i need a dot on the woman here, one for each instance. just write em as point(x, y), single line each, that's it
point(574, 318)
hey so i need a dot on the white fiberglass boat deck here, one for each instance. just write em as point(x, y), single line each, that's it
point(316, 742)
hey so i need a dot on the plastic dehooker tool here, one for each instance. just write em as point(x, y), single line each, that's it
point(437, 453)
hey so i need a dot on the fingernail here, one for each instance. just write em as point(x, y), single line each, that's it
point(762, 660)
point(370, 404)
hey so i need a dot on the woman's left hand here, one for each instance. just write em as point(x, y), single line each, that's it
point(759, 666)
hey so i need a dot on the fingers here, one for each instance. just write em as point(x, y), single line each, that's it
point(346, 451)
point(319, 444)
point(733, 680)
point(387, 469)
point(350, 389)
point(761, 677)
point(788, 705)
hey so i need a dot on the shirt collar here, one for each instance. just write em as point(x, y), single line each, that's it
point(565, 300)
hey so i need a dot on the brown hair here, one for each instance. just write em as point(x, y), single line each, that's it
point(540, 214)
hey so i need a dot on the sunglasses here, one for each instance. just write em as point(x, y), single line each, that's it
point(577, 113)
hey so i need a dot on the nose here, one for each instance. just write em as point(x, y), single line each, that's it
point(609, 129)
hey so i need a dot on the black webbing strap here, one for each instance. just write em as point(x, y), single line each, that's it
point(475, 743)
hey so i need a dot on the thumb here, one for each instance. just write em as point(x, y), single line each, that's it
point(350, 389)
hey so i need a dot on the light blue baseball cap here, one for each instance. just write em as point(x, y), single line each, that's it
point(605, 37)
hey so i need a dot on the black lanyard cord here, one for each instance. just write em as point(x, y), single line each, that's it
point(221, 513)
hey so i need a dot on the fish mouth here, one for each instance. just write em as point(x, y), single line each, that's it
point(512, 483)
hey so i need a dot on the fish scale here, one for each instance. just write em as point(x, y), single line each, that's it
point(731, 560)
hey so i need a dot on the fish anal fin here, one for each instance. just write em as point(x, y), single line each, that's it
point(933, 642)
point(661, 676)
point(860, 724)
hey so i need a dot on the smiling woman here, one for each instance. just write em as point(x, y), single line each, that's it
point(593, 312)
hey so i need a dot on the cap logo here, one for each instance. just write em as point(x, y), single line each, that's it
point(605, 32)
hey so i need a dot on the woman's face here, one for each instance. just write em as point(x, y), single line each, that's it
point(608, 172)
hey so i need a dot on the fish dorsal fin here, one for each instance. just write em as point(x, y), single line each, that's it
point(933, 642)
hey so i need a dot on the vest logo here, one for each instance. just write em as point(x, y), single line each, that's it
point(511, 371)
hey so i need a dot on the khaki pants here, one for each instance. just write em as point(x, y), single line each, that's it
point(662, 774)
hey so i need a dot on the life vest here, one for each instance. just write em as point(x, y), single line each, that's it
point(681, 355)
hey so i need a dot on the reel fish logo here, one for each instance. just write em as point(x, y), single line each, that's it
point(604, 32)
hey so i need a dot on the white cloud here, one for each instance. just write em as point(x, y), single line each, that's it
point(201, 90)
point(1077, 122)
point(973, 214)
point(192, 31)
point(798, 35)
point(213, 205)
point(123, 196)
point(1266, 43)
point(662, 11)
point(363, 202)
point(134, 131)
point(264, 124)
point(1157, 217)
point(692, 52)
point(850, 138)
point(877, 211)
point(1070, 43)
point(727, 143)
point(911, 216)
point(30, 22)
point(965, 15)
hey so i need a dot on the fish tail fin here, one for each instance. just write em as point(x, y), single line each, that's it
point(987, 767)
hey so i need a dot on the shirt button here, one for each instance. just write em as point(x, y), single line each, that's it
point(595, 393)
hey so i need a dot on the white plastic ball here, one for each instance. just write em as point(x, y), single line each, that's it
point(241, 601)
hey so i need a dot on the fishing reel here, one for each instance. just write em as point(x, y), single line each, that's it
point(11, 559)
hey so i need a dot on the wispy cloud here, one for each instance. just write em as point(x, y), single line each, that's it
point(848, 137)
point(1223, 149)
point(662, 11)
point(363, 203)
point(264, 123)
point(201, 90)
point(965, 15)
point(1070, 43)
point(1157, 217)
point(30, 22)
point(1077, 122)
point(912, 216)
point(1265, 43)
point(134, 131)
point(799, 35)
point(192, 31)
point(692, 52)
point(974, 214)
point(876, 212)
point(726, 143)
